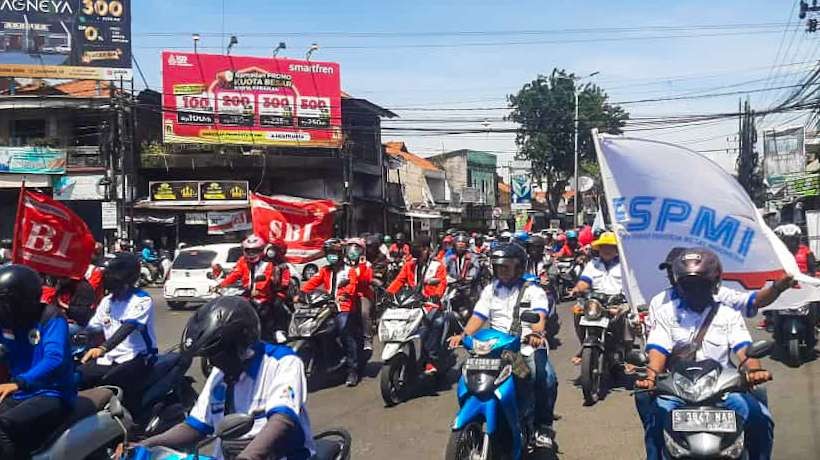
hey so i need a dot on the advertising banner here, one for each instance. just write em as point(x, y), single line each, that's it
point(521, 183)
point(66, 39)
point(174, 191)
point(783, 153)
point(654, 209)
point(303, 223)
point(202, 192)
point(220, 223)
point(79, 187)
point(221, 99)
point(32, 160)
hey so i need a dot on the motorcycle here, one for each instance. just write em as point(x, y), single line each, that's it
point(602, 333)
point(312, 334)
point(793, 330)
point(165, 264)
point(564, 274)
point(149, 274)
point(702, 428)
point(400, 335)
point(459, 301)
point(330, 445)
point(496, 415)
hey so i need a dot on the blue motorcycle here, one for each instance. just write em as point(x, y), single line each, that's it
point(496, 419)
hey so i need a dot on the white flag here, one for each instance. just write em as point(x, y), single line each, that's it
point(662, 196)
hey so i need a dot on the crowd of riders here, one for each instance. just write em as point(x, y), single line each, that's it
point(485, 279)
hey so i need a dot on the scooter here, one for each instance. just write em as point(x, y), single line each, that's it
point(400, 335)
point(603, 334)
point(702, 428)
point(330, 445)
point(496, 415)
point(564, 274)
point(793, 330)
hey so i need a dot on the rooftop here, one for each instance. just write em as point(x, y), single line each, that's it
point(398, 149)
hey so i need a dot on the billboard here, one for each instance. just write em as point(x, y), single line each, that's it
point(783, 153)
point(521, 183)
point(192, 192)
point(216, 99)
point(70, 39)
point(32, 160)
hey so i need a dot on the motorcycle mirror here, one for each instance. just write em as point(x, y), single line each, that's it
point(530, 317)
point(234, 426)
point(759, 349)
point(209, 275)
point(637, 358)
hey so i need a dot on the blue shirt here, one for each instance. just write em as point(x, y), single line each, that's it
point(149, 255)
point(40, 358)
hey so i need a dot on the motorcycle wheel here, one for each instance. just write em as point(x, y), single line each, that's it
point(466, 443)
point(592, 372)
point(393, 379)
point(794, 351)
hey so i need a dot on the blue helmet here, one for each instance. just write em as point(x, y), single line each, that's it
point(522, 236)
point(572, 235)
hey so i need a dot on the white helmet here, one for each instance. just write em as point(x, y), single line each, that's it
point(787, 230)
point(252, 248)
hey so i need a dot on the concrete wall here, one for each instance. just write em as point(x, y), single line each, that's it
point(413, 182)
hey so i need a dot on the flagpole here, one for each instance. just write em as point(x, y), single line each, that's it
point(17, 224)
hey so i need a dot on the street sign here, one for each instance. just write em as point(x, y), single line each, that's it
point(585, 183)
point(521, 164)
point(108, 210)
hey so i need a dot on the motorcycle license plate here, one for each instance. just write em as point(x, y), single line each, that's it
point(602, 322)
point(397, 314)
point(482, 364)
point(710, 421)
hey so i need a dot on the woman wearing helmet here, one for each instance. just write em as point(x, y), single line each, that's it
point(697, 274)
point(249, 377)
point(341, 281)
point(571, 246)
point(265, 278)
point(41, 390)
point(126, 317)
point(791, 236)
point(496, 306)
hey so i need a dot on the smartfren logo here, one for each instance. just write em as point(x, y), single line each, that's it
point(178, 60)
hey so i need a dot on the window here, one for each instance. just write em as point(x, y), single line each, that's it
point(25, 131)
point(194, 260)
point(234, 254)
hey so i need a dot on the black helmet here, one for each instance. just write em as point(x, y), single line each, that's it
point(333, 245)
point(20, 291)
point(670, 259)
point(400, 238)
point(373, 241)
point(537, 241)
point(123, 270)
point(697, 262)
point(222, 330)
point(509, 253)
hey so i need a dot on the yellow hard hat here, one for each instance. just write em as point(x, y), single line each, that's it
point(606, 239)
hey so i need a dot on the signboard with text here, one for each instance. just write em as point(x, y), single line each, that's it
point(217, 99)
point(66, 39)
point(32, 160)
point(521, 184)
point(192, 192)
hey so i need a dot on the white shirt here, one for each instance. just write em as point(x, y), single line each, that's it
point(497, 303)
point(676, 326)
point(275, 383)
point(603, 278)
point(111, 314)
point(740, 301)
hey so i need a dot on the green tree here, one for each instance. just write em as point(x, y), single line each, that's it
point(545, 111)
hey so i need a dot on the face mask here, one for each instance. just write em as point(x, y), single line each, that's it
point(353, 254)
point(697, 296)
point(332, 258)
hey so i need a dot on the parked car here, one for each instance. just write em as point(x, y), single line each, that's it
point(188, 280)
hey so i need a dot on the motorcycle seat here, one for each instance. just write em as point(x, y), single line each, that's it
point(327, 449)
point(88, 403)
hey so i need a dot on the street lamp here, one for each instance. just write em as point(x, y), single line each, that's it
point(196, 38)
point(234, 41)
point(281, 46)
point(313, 48)
point(575, 80)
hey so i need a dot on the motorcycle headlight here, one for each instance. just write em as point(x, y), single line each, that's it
point(593, 310)
point(735, 450)
point(306, 328)
point(481, 382)
point(694, 391)
point(483, 348)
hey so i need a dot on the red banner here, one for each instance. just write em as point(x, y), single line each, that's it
point(50, 238)
point(221, 99)
point(304, 224)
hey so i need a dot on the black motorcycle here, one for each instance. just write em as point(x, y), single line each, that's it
point(794, 331)
point(602, 328)
point(564, 274)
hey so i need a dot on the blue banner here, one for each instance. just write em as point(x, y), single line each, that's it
point(32, 160)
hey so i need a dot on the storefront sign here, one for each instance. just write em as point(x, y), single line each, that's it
point(196, 218)
point(79, 187)
point(174, 191)
point(219, 99)
point(802, 185)
point(223, 191)
point(109, 215)
point(66, 39)
point(220, 223)
point(32, 160)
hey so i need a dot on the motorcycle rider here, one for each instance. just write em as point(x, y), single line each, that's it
point(496, 306)
point(428, 275)
point(355, 258)
point(249, 377)
point(75, 296)
point(571, 248)
point(697, 274)
point(42, 391)
point(149, 255)
point(266, 282)
point(446, 248)
point(94, 272)
point(340, 280)
point(400, 249)
point(126, 317)
point(602, 275)
point(463, 270)
point(791, 236)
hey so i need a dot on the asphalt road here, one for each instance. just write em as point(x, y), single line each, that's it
point(419, 428)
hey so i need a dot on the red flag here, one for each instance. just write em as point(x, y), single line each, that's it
point(302, 223)
point(528, 225)
point(50, 238)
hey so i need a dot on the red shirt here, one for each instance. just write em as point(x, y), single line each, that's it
point(347, 297)
point(566, 251)
point(275, 284)
point(94, 276)
point(407, 277)
point(802, 258)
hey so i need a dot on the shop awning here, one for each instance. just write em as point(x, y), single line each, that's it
point(160, 206)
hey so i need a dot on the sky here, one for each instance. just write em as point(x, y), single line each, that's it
point(414, 56)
